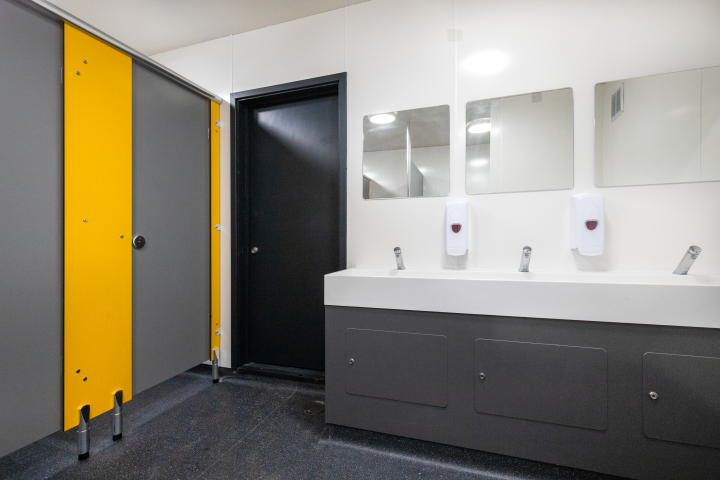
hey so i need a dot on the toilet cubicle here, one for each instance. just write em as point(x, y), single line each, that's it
point(98, 147)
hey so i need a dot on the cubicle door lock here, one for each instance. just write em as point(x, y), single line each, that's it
point(138, 242)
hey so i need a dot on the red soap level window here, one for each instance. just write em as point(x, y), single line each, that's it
point(456, 227)
point(591, 224)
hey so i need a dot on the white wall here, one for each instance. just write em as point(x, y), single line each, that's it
point(305, 48)
point(578, 44)
point(398, 56)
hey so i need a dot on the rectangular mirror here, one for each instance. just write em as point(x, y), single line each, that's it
point(407, 153)
point(658, 129)
point(519, 144)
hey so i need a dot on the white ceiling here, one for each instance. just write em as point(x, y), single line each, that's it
point(156, 26)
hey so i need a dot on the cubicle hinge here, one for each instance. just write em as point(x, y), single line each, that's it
point(218, 124)
point(218, 332)
point(61, 75)
point(208, 134)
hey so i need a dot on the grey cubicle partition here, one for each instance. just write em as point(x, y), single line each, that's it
point(171, 209)
point(31, 225)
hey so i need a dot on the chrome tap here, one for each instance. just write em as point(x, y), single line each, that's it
point(525, 260)
point(692, 253)
point(399, 259)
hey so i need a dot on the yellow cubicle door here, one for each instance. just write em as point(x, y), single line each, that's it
point(98, 225)
point(214, 223)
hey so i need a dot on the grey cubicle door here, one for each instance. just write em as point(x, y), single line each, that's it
point(31, 225)
point(171, 209)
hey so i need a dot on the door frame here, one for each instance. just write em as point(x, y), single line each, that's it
point(240, 105)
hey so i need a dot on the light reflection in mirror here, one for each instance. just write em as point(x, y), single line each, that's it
point(382, 118)
point(409, 156)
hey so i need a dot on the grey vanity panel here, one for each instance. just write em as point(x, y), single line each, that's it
point(546, 383)
point(622, 448)
point(407, 367)
point(687, 407)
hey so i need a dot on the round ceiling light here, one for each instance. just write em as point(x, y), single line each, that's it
point(383, 118)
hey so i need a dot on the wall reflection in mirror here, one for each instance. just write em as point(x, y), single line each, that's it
point(519, 143)
point(407, 153)
point(658, 129)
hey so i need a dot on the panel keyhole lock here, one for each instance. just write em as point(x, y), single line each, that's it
point(653, 396)
point(138, 242)
point(351, 361)
point(254, 250)
point(481, 376)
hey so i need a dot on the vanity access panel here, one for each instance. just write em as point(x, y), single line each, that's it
point(558, 384)
point(407, 367)
point(566, 424)
point(682, 399)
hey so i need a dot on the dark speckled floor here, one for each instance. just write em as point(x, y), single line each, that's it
point(249, 427)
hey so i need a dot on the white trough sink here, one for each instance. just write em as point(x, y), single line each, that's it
point(642, 298)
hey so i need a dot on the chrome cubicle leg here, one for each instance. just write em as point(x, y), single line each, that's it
point(116, 416)
point(215, 365)
point(83, 431)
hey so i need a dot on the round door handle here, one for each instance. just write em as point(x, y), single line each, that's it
point(138, 242)
point(254, 250)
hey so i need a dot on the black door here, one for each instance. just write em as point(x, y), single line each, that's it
point(292, 221)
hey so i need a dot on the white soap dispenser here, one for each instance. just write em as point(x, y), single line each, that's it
point(456, 227)
point(587, 223)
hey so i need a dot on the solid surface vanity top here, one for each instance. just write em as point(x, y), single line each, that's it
point(642, 298)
